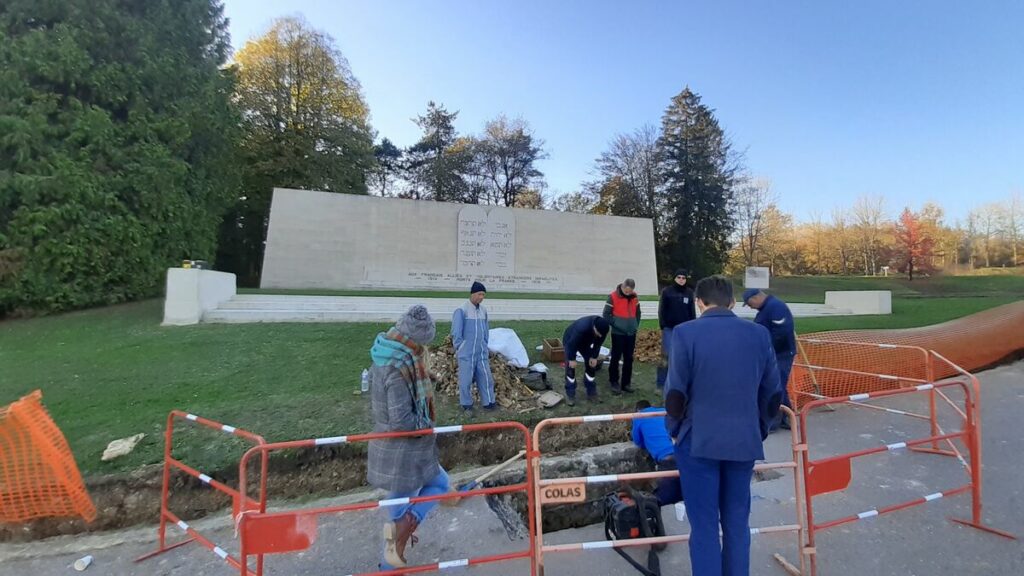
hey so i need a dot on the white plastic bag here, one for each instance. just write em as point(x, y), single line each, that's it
point(504, 341)
point(604, 352)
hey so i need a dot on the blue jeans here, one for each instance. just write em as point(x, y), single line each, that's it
point(437, 485)
point(666, 339)
point(717, 492)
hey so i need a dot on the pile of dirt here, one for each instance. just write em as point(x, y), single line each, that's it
point(508, 380)
point(648, 346)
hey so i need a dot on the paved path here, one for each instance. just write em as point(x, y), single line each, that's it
point(915, 542)
point(281, 308)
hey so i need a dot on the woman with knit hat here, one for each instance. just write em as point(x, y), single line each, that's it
point(403, 400)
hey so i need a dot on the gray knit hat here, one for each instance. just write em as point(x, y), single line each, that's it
point(417, 325)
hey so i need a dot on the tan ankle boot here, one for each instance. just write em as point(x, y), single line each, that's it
point(396, 535)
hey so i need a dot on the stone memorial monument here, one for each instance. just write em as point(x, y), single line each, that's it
point(344, 241)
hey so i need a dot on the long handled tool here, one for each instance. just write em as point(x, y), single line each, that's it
point(479, 479)
point(814, 378)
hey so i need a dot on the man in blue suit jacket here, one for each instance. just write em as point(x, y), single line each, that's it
point(722, 395)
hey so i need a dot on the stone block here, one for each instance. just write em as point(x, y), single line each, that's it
point(192, 292)
point(861, 301)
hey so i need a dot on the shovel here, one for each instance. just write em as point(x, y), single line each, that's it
point(472, 485)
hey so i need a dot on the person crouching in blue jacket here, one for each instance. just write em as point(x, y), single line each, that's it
point(585, 337)
point(651, 435)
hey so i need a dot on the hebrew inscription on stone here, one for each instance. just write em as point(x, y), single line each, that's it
point(486, 241)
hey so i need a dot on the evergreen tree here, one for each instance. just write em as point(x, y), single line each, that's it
point(116, 144)
point(698, 170)
point(437, 165)
point(389, 159)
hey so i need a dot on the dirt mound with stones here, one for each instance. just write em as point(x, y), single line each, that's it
point(648, 346)
point(509, 388)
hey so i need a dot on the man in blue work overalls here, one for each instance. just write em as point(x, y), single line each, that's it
point(650, 434)
point(775, 315)
point(470, 331)
point(722, 394)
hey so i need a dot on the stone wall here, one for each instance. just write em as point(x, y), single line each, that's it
point(343, 241)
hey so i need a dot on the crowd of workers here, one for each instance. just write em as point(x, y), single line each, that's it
point(722, 382)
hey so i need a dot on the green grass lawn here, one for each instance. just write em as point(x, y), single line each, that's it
point(113, 372)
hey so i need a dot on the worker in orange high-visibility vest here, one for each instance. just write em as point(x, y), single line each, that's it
point(622, 311)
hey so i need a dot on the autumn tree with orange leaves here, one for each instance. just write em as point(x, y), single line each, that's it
point(913, 244)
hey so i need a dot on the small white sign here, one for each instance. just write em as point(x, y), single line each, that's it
point(756, 277)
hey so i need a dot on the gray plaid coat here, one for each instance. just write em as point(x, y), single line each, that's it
point(398, 464)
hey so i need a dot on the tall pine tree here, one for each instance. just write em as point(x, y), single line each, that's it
point(438, 164)
point(116, 146)
point(698, 170)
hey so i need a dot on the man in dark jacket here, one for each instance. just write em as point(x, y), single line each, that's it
point(622, 311)
point(585, 336)
point(775, 315)
point(721, 396)
point(677, 305)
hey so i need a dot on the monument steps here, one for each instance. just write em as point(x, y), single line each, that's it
point(246, 308)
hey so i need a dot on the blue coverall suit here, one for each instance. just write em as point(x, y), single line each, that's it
point(777, 318)
point(470, 331)
point(721, 396)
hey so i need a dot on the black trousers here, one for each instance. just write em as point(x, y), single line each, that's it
point(622, 349)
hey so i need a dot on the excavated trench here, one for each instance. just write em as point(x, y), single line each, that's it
point(124, 500)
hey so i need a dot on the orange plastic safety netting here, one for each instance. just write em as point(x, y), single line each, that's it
point(38, 474)
point(873, 360)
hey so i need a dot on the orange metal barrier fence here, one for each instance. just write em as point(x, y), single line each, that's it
point(240, 500)
point(261, 532)
point(909, 375)
point(828, 474)
point(38, 474)
point(579, 486)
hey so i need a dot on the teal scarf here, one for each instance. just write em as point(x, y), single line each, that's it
point(396, 350)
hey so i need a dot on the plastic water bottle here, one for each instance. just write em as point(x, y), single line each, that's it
point(364, 385)
point(680, 511)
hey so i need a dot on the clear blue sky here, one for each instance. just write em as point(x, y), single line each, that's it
point(913, 101)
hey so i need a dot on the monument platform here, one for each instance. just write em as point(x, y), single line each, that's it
point(243, 308)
